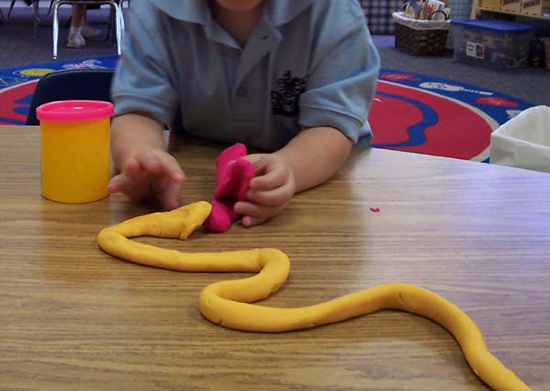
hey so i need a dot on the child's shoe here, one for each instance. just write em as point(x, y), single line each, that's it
point(76, 40)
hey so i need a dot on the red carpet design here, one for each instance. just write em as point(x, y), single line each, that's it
point(411, 112)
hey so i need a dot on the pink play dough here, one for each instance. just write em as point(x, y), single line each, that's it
point(233, 178)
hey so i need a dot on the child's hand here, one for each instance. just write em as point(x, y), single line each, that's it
point(270, 191)
point(149, 175)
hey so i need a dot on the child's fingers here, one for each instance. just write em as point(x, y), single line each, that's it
point(170, 166)
point(276, 175)
point(150, 162)
point(166, 191)
point(153, 174)
point(250, 209)
point(276, 196)
point(255, 159)
point(122, 183)
point(134, 170)
point(170, 196)
point(117, 183)
point(131, 164)
point(249, 221)
point(155, 163)
point(260, 161)
point(269, 181)
point(158, 184)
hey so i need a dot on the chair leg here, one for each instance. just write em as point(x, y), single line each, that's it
point(119, 27)
point(55, 29)
point(116, 18)
point(11, 8)
point(36, 18)
point(111, 24)
point(122, 24)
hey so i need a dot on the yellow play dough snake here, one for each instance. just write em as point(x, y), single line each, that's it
point(225, 303)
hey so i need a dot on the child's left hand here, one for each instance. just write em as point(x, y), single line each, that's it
point(270, 190)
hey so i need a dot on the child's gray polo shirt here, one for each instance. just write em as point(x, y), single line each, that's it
point(307, 63)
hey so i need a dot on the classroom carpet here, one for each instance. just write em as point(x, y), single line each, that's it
point(410, 112)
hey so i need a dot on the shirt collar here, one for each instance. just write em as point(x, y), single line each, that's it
point(278, 12)
point(193, 11)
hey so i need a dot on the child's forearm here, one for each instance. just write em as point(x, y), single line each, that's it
point(133, 134)
point(315, 155)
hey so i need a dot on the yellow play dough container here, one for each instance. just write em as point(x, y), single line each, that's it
point(75, 150)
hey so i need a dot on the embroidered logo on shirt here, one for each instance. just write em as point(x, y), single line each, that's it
point(285, 101)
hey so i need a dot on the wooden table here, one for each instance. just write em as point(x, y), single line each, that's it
point(75, 318)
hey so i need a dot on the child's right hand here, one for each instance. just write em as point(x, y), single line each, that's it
point(154, 174)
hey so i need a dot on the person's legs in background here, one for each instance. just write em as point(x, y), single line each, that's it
point(79, 29)
point(87, 30)
point(76, 39)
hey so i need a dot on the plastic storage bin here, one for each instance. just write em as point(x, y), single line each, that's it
point(496, 44)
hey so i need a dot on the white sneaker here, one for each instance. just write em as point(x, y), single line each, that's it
point(75, 40)
point(89, 32)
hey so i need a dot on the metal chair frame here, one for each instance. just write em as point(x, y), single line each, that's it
point(119, 19)
point(53, 1)
point(36, 15)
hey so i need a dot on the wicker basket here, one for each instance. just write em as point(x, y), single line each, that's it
point(420, 41)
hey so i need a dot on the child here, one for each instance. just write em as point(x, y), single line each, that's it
point(294, 78)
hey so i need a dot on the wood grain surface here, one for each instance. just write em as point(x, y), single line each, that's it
point(75, 318)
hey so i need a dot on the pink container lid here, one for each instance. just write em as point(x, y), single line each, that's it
point(74, 110)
